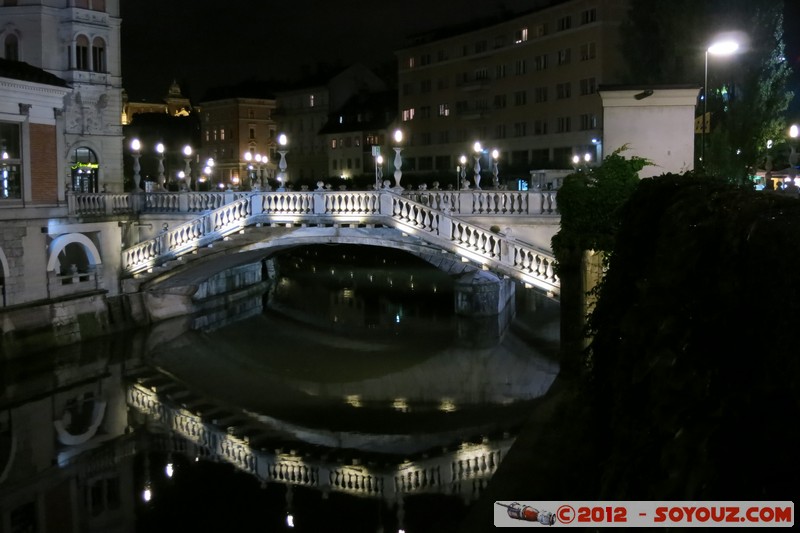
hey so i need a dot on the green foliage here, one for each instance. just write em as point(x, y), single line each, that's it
point(693, 358)
point(589, 201)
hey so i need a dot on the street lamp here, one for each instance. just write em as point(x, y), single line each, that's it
point(478, 149)
point(495, 179)
point(187, 156)
point(720, 48)
point(282, 142)
point(259, 173)
point(161, 178)
point(398, 161)
point(378, 171)
point(136, 148)
point(208, 169)
point(248, 158)
point(463, 168)
point(793, 132)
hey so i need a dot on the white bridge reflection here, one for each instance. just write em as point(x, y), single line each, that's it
point(204, 432)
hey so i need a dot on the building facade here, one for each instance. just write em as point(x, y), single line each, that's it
point(526, 86)
point(78, 41)
point(302, 113)
point(240, 135)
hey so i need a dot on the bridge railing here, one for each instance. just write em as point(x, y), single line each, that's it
point(423, 215)
point(472, 202)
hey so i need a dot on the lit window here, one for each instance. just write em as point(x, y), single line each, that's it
point(10, 163)
point(311, 100)
point(521, 35)
point(444, 110)
point(408, 114)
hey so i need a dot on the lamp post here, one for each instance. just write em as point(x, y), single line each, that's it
point(793, 133)
point(478, 149)
point(187, 156)
point(259, 173)
point(463, 161)
point(378, 171)
point(248, 159)
point(136, 148)
point(208, 169)
point(719, 48)
point(495, 179)
point(161, 178)
point(282, 142)
point(398, 161)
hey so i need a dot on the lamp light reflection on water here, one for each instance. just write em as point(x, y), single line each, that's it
point(353, 400)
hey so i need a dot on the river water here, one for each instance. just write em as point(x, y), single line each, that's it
point(347, 397)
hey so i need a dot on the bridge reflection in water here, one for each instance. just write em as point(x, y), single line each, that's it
point(348, 396)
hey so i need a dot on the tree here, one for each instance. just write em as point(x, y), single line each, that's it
point(747, 94)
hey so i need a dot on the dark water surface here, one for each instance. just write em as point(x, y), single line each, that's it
point(348, 397)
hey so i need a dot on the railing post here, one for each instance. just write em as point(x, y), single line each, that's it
point(256, 203)
point(71, 208)
point(183, 202)
point(319, 203)
point(386, 204)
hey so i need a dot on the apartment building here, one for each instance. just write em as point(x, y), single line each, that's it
point(302, 112)
point(526, 86)
point(240, 135)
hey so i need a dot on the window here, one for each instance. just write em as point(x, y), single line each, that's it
point(500, 72)
point(222, 134)
point(564, 56)
point(461, 106)
point(588, 51)
point(540, 95)
point(564, 23)
point(520, 67)
point(408, 114)
point(407, 89)
point(541, 62)
point(500, 131)
point(252, 132)
point(425, 86)
point(540, 127)
point(481, 74)
point(499, 101)
point(425, 138)
point(10, 162)
point(441, 55)
point(425, 111)
point(588, 16)
point(563, 125)
point(521, 35)
point(588, 121)
point(11, 48)
point(82, 53)
point(98, 55)
point(588, 86)
point(333, 147)
point(311, 100)
point(335, 163)
point(444, 110)
point(441, 84)
point(540, 30)
point(520, 129)
point(444, 136)
point(480, 47)
point(520, 98)
point(563, 90)
point(410, 62)
point(425, 59)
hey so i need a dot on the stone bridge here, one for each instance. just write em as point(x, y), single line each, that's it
point(492, 230)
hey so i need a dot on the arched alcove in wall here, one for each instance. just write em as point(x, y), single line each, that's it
point(72, 249)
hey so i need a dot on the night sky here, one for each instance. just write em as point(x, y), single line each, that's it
point(202, 45)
